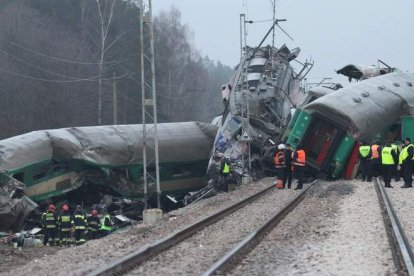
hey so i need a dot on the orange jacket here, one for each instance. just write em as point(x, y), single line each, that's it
point(374, 152)
point(300, 159)
point(279, 159)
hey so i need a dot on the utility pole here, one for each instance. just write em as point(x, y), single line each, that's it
point(114, 100)
point(149, 104)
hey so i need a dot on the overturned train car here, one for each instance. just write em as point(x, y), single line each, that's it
point(83, 163)
point(330, 127)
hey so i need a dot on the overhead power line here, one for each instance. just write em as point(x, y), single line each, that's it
point(48, 56)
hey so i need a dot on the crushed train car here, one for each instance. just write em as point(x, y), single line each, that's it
point(258, 105)
point(329, 128)
point(85, 163)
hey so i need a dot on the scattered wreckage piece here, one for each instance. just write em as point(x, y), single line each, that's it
point(14, 206)
point(329, 127)
point(84, 163)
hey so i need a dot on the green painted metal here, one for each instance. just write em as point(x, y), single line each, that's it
point(408, 127)
point(299, 128)
point(42, 171)
point(341, 155)
point(291, 124)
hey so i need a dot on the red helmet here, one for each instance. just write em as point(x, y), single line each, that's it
point(65, 207)
point(51, 208)
point(94, 212)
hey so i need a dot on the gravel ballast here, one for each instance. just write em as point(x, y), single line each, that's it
point(337, 230)
point(196, 254)
point(403, 203)
point(81, 259)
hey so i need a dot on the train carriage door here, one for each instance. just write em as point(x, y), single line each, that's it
point(319, 141)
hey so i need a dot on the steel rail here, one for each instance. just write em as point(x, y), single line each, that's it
point(234, 256)
point(401, 249)
point(135, 258)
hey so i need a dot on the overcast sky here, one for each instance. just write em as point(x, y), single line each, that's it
point(333, 32)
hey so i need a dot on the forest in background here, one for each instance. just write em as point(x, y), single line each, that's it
point(60, 59)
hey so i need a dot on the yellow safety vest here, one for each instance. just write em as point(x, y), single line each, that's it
point(404, 154)
point(394, 147)
point(364, 150)
point(226, 168)
point(386, 156)
point(103, 226)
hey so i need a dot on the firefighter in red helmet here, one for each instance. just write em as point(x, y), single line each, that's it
point(94, 224)
point(49, 222)
point(65, 225)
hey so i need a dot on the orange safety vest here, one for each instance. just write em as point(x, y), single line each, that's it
point(280, 159)
point(301, 159)
point(374, 152)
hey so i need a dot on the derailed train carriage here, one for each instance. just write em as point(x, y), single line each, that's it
point(380, 106)
point(84, 163)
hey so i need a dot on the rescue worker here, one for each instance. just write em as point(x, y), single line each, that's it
point(50, 229)
point(364, 155)
point(299, 163)
point(106, 225)
point(94, 224)
point(406, 163)
point(80, 223)
point(65, 225)
point(388, 160)
point(225, 172)
point(375, 163)
point(288, 169)
point(396, 148)
point(280, 165)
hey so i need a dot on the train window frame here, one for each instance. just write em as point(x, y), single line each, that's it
point(19, 176)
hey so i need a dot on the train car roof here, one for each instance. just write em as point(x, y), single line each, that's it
point(110, 145)
point(371, 104)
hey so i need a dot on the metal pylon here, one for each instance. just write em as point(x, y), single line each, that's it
point(151, 171)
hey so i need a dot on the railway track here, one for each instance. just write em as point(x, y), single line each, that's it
point(139, 256)
point(234, 256)
point(401, 249)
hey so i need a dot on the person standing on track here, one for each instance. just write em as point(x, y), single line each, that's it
point(287, 180)
point(280, 165)
point(299, 164)
point(364, 156)
point(406, 163)
point(388, 160)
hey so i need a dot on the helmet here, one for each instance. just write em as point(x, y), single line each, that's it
point(94, 212)
point(51, 208)
point(281, 146)
point(65, 207)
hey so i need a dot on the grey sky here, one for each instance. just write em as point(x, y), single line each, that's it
point(333, 32)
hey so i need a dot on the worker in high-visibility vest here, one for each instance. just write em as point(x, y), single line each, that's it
point(106, 224)
point(299, 163)
point(406, 163)
point(396, 148)
point(375, 162)
point(388, 160)
point(364, 155)
point(280, 165)
point(225, 173)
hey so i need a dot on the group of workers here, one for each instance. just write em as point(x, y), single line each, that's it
point(287, 162)
point(392, 160)
point(58, 228)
